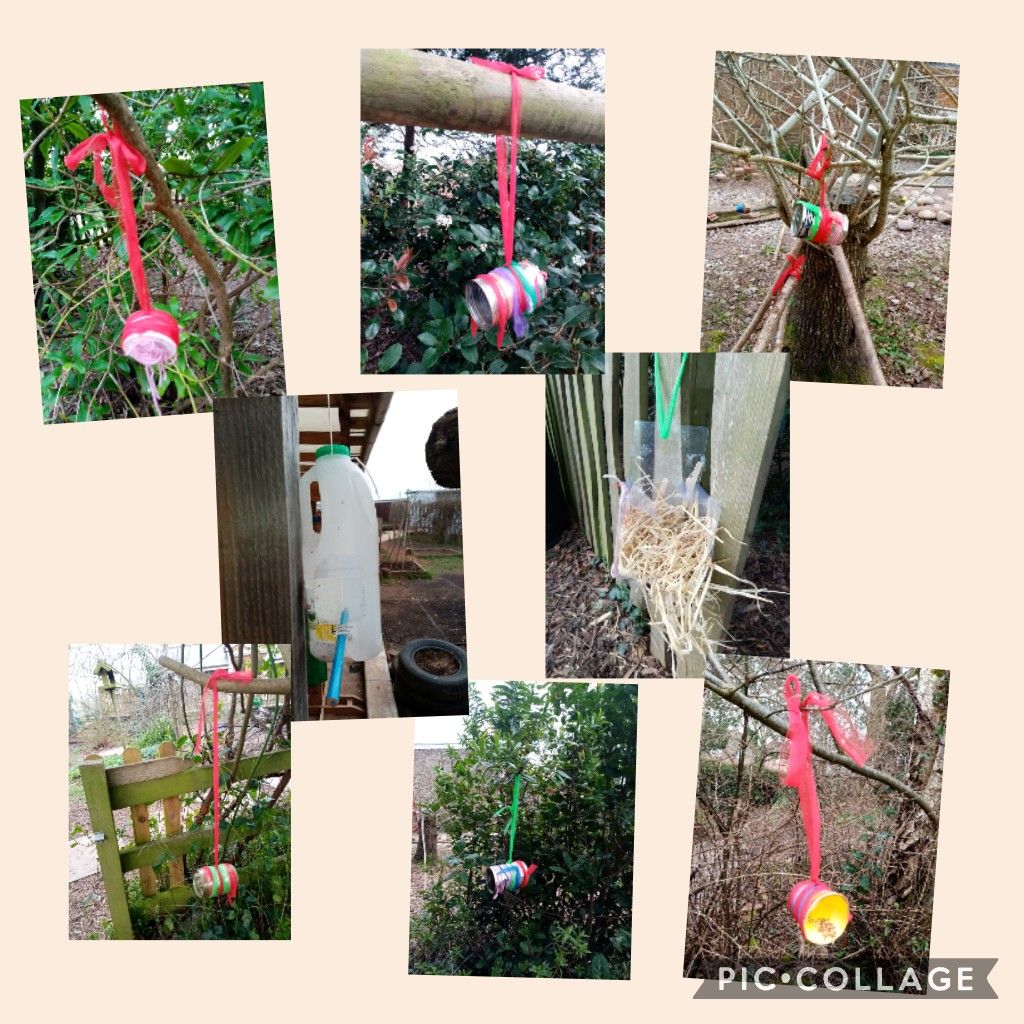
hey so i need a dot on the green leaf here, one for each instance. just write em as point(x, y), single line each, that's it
point(85, 106)
point(470, 353)
point(272, 290)
point(232, 153)
point(430, 358)
point(576, 315)
point(371, 330)
point(427, 338)
point(390, 358)
point(436, 309)
point(481, 232)
point(180, 107)
point(175, 165)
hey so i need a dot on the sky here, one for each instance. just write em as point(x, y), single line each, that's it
point(397, 463)
point(128, 664)
point(441, 731)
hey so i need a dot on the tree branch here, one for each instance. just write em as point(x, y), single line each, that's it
point(755, 709)
point(117, 107)
point(46, 131)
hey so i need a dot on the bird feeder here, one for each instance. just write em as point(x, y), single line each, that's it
point(150, 337)
point(821, 914)
point(512, 291)
point(508, 877)
point(216, 880)
point(818, 224)
point(506, 293)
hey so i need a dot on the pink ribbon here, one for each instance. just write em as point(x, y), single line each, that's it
point(507, 162)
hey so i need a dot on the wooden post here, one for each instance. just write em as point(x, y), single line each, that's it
point(101, 818)
point(635, 405)
point(750, 395)
point(140, 827)
point(415, 88)
point(668, 464)
point(172, 824)
point(256, 457)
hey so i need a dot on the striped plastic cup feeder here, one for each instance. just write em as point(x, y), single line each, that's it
point(215, 880)
point(821, 914)
point(508, 877)
point(818, 224)
point(150, 337)
point(506, 293)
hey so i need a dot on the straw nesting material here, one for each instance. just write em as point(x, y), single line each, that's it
point(668, 547)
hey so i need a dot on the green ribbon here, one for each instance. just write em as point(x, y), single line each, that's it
point(525, 283)
point(513, 818)
point(665, 419)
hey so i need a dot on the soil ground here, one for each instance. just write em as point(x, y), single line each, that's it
point(414, 608)
point(905, 301)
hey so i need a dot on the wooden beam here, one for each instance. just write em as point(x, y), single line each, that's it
point(750, 395)
point(194, 779)
point(101, 818)
point(411, 87)
point(172, 826)
point(262, 687)
point(256, 441)
point(159, 851)
point(380, 696)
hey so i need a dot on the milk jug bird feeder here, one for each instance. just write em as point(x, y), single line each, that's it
point(150, 336)
point(821, 914)
point(340, 563)
point(512, 291)
point(513, 875)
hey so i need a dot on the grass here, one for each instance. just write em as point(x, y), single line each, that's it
point(75, 791)
point(437, 565)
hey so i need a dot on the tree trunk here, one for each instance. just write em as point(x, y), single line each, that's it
point(822, 341)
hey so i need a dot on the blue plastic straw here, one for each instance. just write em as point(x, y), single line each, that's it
point(334, 685)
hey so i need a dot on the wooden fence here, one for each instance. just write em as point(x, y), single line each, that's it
point(137, 784)
point(739, 398)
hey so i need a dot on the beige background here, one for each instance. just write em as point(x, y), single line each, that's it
point(905, 504)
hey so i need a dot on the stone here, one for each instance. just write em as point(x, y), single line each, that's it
point(925, 201)
point(926, 214)
point(943, 217)
point(904, 224)
point(721, 176)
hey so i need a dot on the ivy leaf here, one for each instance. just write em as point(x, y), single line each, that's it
point(390, 358)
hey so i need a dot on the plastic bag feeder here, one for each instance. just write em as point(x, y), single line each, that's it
point(151, 337)
point(820, 913)
point(506, 293)
point(215, 880)
point(509, 877)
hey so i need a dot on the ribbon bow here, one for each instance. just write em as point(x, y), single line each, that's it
point(798, 763)
point(125, 160)
point(507, 157)
point(211, 684)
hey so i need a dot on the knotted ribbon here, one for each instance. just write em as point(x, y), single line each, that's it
point(125, 160)
point(798, 766)
point(793, 268)
point(211, 684)
point(507, 155)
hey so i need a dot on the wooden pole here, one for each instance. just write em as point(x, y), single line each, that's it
point(411, 87)
point(272, 687)
point(867, 345)
point(140, 827)
point(101, 818)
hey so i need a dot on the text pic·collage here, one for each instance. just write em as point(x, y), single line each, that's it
point(339, 516)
